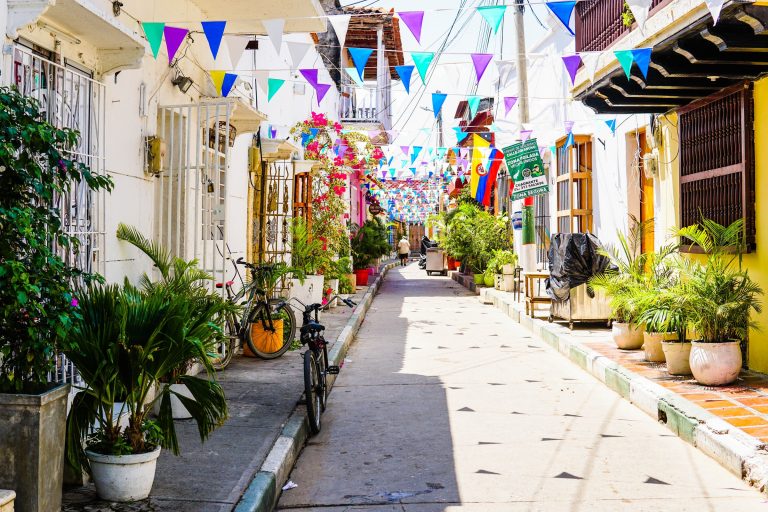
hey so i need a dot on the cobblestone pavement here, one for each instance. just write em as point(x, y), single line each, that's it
point(450, 405)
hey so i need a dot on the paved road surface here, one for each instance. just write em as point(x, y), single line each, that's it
point(449, 405)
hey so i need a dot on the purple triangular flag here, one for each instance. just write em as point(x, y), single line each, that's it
point(509, 102)
point(413, 20)
point(310, 75)
point(481, 60)
point(525, 134)
point(321, 89)
point(568, 126)
point(572, 63)
point(405, 149)
point(174, 36)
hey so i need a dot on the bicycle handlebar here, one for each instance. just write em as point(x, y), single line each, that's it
point(308, 308)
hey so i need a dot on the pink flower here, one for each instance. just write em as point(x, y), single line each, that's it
point(74, 303)
point(325, 301)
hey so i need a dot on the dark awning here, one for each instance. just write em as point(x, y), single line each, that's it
point(695, 62)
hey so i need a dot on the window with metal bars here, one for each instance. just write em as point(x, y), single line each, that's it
point(717, 164)
point(574, 185)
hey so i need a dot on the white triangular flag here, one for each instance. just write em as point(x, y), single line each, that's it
point(361, 145)
point(340, 23)
point(714, 7)
point(235, 47)
point(591, 61)
point(640, 10)
point(297, 52)
point(262, 79)
point(275, 32)
point(355, 76)
point(506, 68)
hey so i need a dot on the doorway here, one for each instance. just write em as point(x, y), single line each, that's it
point(647, 243)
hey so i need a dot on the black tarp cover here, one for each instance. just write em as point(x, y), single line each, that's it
point(573, 259)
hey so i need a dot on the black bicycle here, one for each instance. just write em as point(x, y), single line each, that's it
point(316, 366)
point(267, 325)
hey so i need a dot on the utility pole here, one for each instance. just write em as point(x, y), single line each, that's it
point(439, 125)
point(528, 249)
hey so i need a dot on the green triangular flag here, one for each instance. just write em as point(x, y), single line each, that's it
point(493, 14)
point(154, 33)
point(273, 85)
point(626, 59)
point(474, 103)
point(422, 60)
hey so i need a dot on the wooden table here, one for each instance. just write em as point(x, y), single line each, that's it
point(532, 297)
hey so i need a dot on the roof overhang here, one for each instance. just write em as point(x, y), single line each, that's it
point(244, 16)
point(696, 61)
point(80, 21)
point(278, 149)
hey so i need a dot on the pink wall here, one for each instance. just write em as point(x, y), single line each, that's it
point(357, 200)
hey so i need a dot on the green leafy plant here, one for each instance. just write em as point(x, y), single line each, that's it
point(368, 242)
point(346, 286)
point(500, 258)
point(37, 304)
point(718, 295)
point(123, 343)
point(627, 18)
point(307, 252)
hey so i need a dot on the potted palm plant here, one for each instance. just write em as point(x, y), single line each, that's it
point(623, 282)
point(307, 256)
point(719, 297)
point(665, 318)
point(37, 301)
point(124, 342)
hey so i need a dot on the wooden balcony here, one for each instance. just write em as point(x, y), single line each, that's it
point(599, 23)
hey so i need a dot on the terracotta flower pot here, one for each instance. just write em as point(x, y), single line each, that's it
point(627, 336)
point(715, 364)
point(652, 345)
point(677, 354)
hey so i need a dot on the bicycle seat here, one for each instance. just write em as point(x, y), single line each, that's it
point(312, 327)
point(221, 285)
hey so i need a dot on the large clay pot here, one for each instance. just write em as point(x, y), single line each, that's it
point(627, 336)
point(715, 364)
point(677, 355)
point(652, 345)
point(123, 477)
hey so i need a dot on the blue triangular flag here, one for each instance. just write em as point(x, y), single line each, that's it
point(611, 123)
point(563, 12)
point(304, 139)
point(360, 57)
point(214, 31)
point(413, 170)
point(417, 150)
point(228, 83)
point(314, 131)
point(642, 57)
point(437, 102)
point(474, 104)
point(569, 141)
point(405, 72)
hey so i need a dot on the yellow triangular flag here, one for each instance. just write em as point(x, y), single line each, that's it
point(218, 79)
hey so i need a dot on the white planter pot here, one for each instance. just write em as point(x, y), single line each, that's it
point(627, 336)
point(715, 364)
point(333, 284)
point(123, 477)
point(178, 410)
point(677, 355)
point(508, 269)
point(498, 281)
point(310, 292)
point(652, 345)
point(508, 283)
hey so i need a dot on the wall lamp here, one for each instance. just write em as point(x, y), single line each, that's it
point(182, 82)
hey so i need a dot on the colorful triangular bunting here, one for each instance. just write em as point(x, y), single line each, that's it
point(481, 60)
point(437, 102)
point(563, 12)
point(413, 20)
point(405, 73)
point(274, 85)
point(626, 59)
point(493, 14)
point(354, 75)
point(274, 30)
point(422, 60)
point(340, 24)
point(154, 33)
point(474, 104)
point(509, 102)
point(572, 63)
point(360, 57)
point(642, 57)
point(214, 31)
point(174, 36)
point(297, 50)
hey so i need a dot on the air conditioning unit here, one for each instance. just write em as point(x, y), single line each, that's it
point(651, 164)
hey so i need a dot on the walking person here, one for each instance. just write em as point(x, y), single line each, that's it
point(403, 250)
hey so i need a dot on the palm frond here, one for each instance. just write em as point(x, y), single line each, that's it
point(159, 255)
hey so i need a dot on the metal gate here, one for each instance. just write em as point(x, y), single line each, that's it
point(272, 224)
point(192, 186)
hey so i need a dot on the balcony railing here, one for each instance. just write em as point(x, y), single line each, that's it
point(599, 23)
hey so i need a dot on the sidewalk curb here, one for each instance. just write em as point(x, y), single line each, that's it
point(263, 491)
point(740, 453)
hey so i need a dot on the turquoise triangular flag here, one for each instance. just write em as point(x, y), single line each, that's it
point(360, 57)
point(563, 12)
point(569, 141)
point(611, 123)
point(214, 31)
point(642, 57)
point(422, 61)
point(154, 34)
point(460, 134)
point(355, 76)
point(626, 59)
point(273, 85)
point(493, 14)
point(474, 103)
point(405, 72)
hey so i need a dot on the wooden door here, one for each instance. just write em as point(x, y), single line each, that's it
point(646, 199)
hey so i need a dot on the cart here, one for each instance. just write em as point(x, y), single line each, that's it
point(436, 261)
point(573, 259)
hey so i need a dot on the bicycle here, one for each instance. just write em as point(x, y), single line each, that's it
point(257, 307)
point(316, 367)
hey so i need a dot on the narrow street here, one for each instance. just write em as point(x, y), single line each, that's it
point(446, 404)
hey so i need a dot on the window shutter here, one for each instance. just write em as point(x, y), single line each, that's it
point(717, 164)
